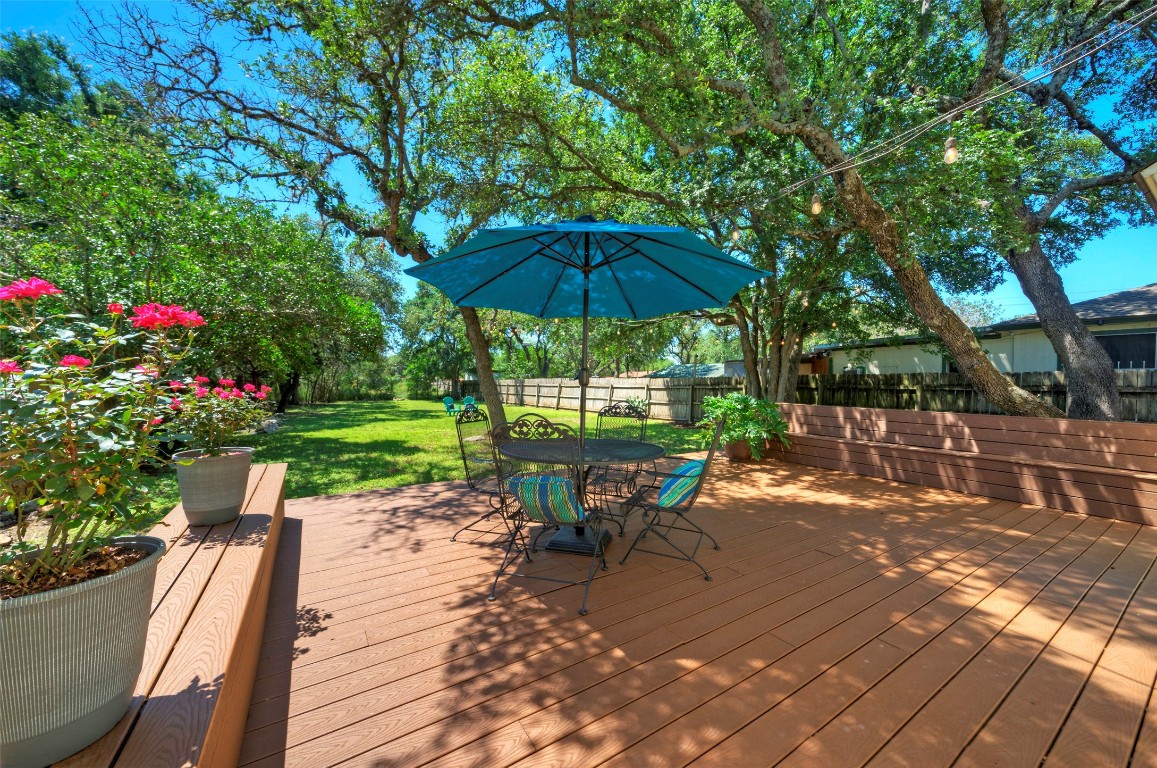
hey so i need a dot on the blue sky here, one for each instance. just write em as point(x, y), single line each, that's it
point(1125, 258)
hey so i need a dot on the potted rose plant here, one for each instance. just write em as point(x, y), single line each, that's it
point(78, 401)
point(751, 424)
point(213, 476)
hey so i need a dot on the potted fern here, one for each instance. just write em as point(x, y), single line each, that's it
point(751, 424)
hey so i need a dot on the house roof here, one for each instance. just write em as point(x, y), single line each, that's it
point(686, 371)
point(1133, 304)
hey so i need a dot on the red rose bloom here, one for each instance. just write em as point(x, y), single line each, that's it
point(32, 288)
point(75, 361)
point(10, 366)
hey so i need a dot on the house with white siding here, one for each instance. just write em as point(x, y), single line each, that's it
point(1125, 323)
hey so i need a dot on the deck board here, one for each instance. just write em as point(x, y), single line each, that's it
point(850, 620)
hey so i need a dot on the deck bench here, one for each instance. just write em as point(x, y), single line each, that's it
point(1108, 469)
point(204, 638)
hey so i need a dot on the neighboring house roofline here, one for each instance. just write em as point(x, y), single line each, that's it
point(1131, 306)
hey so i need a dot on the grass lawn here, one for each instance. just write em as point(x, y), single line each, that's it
point(347, 447)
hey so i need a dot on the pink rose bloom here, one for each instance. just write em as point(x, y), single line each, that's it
point(154, 316)
point(227, 382)
point(32, 288)
point(158, 421)
point(201, 391)
point(176, 385)
point(266, 388)
point(249, 388)
point(224, 394)
point(201, 379)
point(237, 394)
point(175, 405)
point(10, 366)
point(75, 361)
point(145, 370)
point(116, 308)
point(261, 395)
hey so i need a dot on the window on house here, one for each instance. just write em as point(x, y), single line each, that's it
point(1131, 350)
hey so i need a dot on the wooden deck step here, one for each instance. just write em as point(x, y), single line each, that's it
point(208, 614)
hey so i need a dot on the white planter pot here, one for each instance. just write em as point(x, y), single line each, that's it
point(213, 487)
point(71, 660)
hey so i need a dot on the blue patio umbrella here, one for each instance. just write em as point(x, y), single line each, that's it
point(588, 268)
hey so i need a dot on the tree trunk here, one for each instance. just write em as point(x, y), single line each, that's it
point(750, 353)
point(788, 379)
point(1092, 385)
point(881, 229)
point(289, 392)
point(481, 348)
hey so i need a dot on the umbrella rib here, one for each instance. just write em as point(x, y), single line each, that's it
point(622, 290)
point(553, 288)
point(512, 267)
point(722, 257)
point(487, 282)
point(713, 297)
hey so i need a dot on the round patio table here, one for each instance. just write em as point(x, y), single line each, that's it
point(596, 452)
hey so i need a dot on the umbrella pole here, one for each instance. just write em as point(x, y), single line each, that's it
point(584, 377)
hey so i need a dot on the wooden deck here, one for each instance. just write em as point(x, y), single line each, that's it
point(851, 621)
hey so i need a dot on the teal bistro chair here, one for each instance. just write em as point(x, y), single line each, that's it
point(667, 502)
point(543, 494)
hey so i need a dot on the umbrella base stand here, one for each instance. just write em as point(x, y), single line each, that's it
point(568, 540)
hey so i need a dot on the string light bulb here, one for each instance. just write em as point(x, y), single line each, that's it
point(817, 204)
point(735, 234)
point(951, 153)
point(805, 301)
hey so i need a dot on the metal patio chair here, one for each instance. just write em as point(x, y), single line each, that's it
point(666, 503)
point(621, 421)
point(542, 492)
point(482, 472)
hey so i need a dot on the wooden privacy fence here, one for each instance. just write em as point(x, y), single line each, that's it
point(951, 392)
point(670, 399)
point(681, 399)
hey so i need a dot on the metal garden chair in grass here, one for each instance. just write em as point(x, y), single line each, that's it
point(482, 472)
point(542, 492)
point(666, 503)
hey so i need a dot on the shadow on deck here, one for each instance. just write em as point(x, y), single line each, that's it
point(851, 621)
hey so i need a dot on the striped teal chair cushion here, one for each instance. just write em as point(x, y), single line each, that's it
point(547, 499)
point(678, 488)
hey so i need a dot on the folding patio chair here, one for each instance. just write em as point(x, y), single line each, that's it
point(542, 492)
point(666, 503)
point(481, 465)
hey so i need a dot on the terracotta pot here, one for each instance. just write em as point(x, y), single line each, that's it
point(71, 659)
point(740, 451)
point(213, 487)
